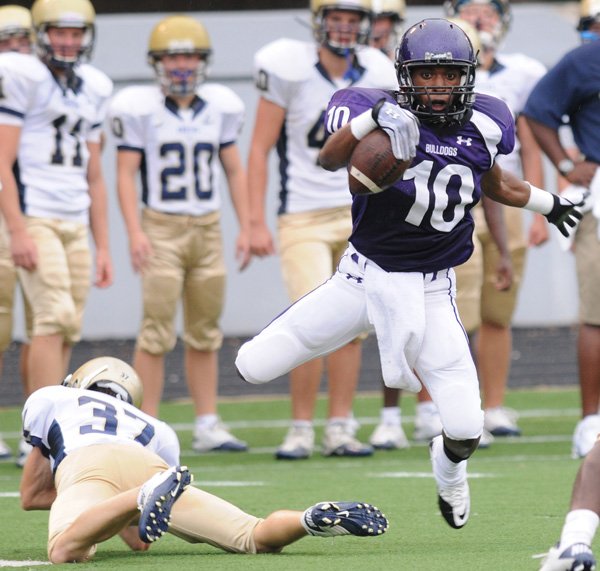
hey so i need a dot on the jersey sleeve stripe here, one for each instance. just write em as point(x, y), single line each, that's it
point(9, 111)
point(129, 148)
point(227, 144)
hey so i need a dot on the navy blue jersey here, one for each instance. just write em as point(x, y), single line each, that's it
point(423, 222)
point(572, 88)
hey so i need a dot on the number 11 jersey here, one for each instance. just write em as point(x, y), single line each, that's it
point(56, 124)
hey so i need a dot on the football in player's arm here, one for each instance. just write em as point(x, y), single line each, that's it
point(103, 467)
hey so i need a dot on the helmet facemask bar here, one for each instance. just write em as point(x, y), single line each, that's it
point(180, 82)
point(322, 31)
point(46, 51)
point(420, 98)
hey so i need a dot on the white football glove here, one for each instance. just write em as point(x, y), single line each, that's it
point(401, 126)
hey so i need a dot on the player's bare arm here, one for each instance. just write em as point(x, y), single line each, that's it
point(23, 249)
point(128, 165)
point(238, 190)
point(99, 217)
point(267, 127)
point(37, 484)
point(337, 150)
point(494, 217)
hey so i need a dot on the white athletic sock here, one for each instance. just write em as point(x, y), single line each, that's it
point(205, 421)
point(580, 527)
point(448, 473)
point(391, 415)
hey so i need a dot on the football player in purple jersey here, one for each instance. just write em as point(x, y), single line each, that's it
point(396, 274)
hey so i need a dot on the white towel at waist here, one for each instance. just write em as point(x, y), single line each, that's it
point(396, 309)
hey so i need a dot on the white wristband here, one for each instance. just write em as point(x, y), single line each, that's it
point(539, 200)
point(362, 125)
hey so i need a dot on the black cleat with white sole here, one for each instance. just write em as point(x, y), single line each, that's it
point(328, 519)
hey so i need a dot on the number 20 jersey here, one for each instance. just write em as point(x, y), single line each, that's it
point(423, 222)
point(56, 125)
point(59, 420)
point(180, 147)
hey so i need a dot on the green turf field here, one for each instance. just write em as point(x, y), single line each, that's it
point(520, 490)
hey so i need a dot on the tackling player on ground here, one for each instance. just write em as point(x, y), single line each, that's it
point(103, 467)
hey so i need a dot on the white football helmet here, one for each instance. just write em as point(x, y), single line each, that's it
point(110, 375)
point(63, 14)
point(319, 10)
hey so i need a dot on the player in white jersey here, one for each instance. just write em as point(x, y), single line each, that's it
point(103, 467)
point(178, 134)
point(296, 80)
point(15, 36)
point(51, 112)
point(484, 308)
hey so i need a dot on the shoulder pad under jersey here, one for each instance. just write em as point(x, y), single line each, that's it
point(136, 100)
point(224, 98)
point(290, 60)
point(101, 84)
point(26, 66)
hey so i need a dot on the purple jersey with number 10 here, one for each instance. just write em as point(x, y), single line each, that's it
point(423, 223)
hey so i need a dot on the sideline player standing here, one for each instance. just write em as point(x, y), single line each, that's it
point(51, 114)
point(98, 461)
point(176, 135)
point(15, 36)
point(296, 80)
point(485, 309)
point(397, 272)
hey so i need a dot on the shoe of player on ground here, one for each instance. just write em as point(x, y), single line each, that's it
point(454, 501)
point(298, 444)
point(339, 440)
point(585, 435)
point(23, 452)
point(501, 421)
point(5, 451)
point(328, 519)
point(217, 438)
point(576, 557)
point(156, 498)
point(388, 437)
point(428, 424)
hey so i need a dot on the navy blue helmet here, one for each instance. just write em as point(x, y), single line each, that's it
point(436, 42)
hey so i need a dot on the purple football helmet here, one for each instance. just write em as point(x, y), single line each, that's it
point(436, 42)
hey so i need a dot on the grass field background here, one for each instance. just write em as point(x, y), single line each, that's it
point(520, 490)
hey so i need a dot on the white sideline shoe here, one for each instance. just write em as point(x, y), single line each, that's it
point(486, 440)
point(217, 438)
point(5, 451)
point(339, 440)
point(454, 501)
point(501, 421)
point(298, 444)
point(389, 437)
point(585, 435)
